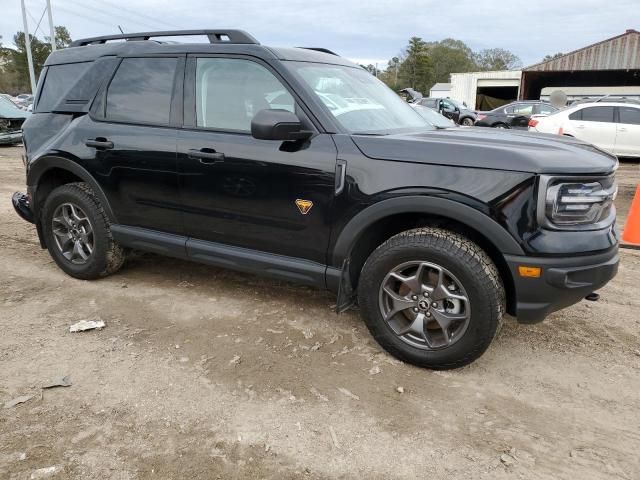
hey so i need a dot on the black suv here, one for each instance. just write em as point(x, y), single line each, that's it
point(456, 111)
point(298, 164)
point(514, 115)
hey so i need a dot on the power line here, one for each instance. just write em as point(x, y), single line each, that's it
point(112, 16)
point(140, 15)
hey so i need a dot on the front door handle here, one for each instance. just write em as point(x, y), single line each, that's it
point(99, 143)
point(206, 155)
point(580, 127)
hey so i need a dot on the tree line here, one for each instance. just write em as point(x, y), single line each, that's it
point(14, 68)
point(422, 64)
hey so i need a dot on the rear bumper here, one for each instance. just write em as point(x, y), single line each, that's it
point(22, 206)
point(563, 282)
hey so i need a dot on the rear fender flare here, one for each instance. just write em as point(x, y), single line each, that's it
point(45, 164)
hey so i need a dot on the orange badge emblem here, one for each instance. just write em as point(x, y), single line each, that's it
point(304, 205)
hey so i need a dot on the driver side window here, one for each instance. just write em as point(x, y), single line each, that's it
point(230, 91)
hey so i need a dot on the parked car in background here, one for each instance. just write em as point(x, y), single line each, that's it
point(433, 117)
point(456, 111)
point(610, 126)
point(23, 101)
point(514, 115)
point(11, 119)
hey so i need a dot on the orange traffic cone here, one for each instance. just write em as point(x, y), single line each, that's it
point(631, 233)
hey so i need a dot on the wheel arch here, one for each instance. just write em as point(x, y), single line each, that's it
point(50, 172)
point(379, 222)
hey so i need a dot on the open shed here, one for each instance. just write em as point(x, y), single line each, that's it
point(613, 63)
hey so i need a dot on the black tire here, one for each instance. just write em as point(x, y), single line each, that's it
point(107, 256)
point(467, 262)
point(467, 122)
point(500, 125)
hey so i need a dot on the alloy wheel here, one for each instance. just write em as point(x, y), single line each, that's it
point(73, 233)
point(425, 305)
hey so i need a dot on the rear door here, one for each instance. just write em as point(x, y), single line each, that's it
point(628, 131)
point(595, 125)
point(520, 115)
point(130, 139)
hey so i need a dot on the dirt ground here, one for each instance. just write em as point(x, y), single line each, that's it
point(205, 373)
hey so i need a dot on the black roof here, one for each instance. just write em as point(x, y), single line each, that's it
point(220, 41)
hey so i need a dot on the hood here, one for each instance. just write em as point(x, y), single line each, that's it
point(9, 110)
point(492, 149)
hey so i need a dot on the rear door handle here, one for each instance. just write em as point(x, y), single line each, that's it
point(99, 143)
point(622, 129)
point(206, 155)
point(580, 126)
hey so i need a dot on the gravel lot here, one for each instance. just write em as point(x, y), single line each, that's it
point(206, 373)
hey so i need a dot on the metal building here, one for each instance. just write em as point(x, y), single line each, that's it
point(485, 90)
point(613, 64)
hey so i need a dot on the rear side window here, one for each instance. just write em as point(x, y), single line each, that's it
point(140, 91)
point(57, 82)
point(629, 115)
point(597, 114)
point(547, 109)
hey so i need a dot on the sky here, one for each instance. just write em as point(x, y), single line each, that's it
point(371, 31)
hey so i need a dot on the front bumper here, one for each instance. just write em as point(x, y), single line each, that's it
point(22, 206)
point(10, 138)
point(562, 282)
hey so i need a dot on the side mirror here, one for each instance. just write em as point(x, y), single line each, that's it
point(278, 124)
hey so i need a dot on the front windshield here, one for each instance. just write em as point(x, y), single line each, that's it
point(360, 102)
point(434, 118)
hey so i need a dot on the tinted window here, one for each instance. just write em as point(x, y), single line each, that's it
point(629, 115)
point(229, 92)
point(57, 82)
point(597, 114)
point(510, 109)
point(428, 102)
point(547, 109)
point(140, 91)
point(577, 115)
point(523, 109)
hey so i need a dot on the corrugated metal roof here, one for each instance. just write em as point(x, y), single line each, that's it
point(441, 87)
point(617, 53)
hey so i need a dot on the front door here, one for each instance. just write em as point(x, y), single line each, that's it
point(271, 196)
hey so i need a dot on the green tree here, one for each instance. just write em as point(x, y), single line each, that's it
point(449, 56)
point(552, 57)
point(497, 59)
point(415, 70)
point(15, 64)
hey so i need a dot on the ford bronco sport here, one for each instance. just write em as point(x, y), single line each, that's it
point(298, 164)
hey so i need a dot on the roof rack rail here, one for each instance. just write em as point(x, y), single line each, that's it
point(320, 49)
point(215, 36)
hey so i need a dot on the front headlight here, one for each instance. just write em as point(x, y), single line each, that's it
point(576, 203)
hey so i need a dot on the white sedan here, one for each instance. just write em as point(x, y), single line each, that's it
point(611, 126)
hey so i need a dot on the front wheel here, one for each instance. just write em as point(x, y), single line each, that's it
point(467, 122)
point(432, 298)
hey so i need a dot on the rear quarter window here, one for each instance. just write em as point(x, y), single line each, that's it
point(58, 81)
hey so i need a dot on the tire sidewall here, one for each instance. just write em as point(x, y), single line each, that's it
point(482, 325)
point(97, 261)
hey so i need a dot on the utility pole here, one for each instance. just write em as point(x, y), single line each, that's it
point(52, 30)
point(27, 42)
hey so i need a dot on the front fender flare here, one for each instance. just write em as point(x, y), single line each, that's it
point(442, 207)
point(46, 163)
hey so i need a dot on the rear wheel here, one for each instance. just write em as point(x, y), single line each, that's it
point(432, 298)
point(77, 234)
point(501, 125)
